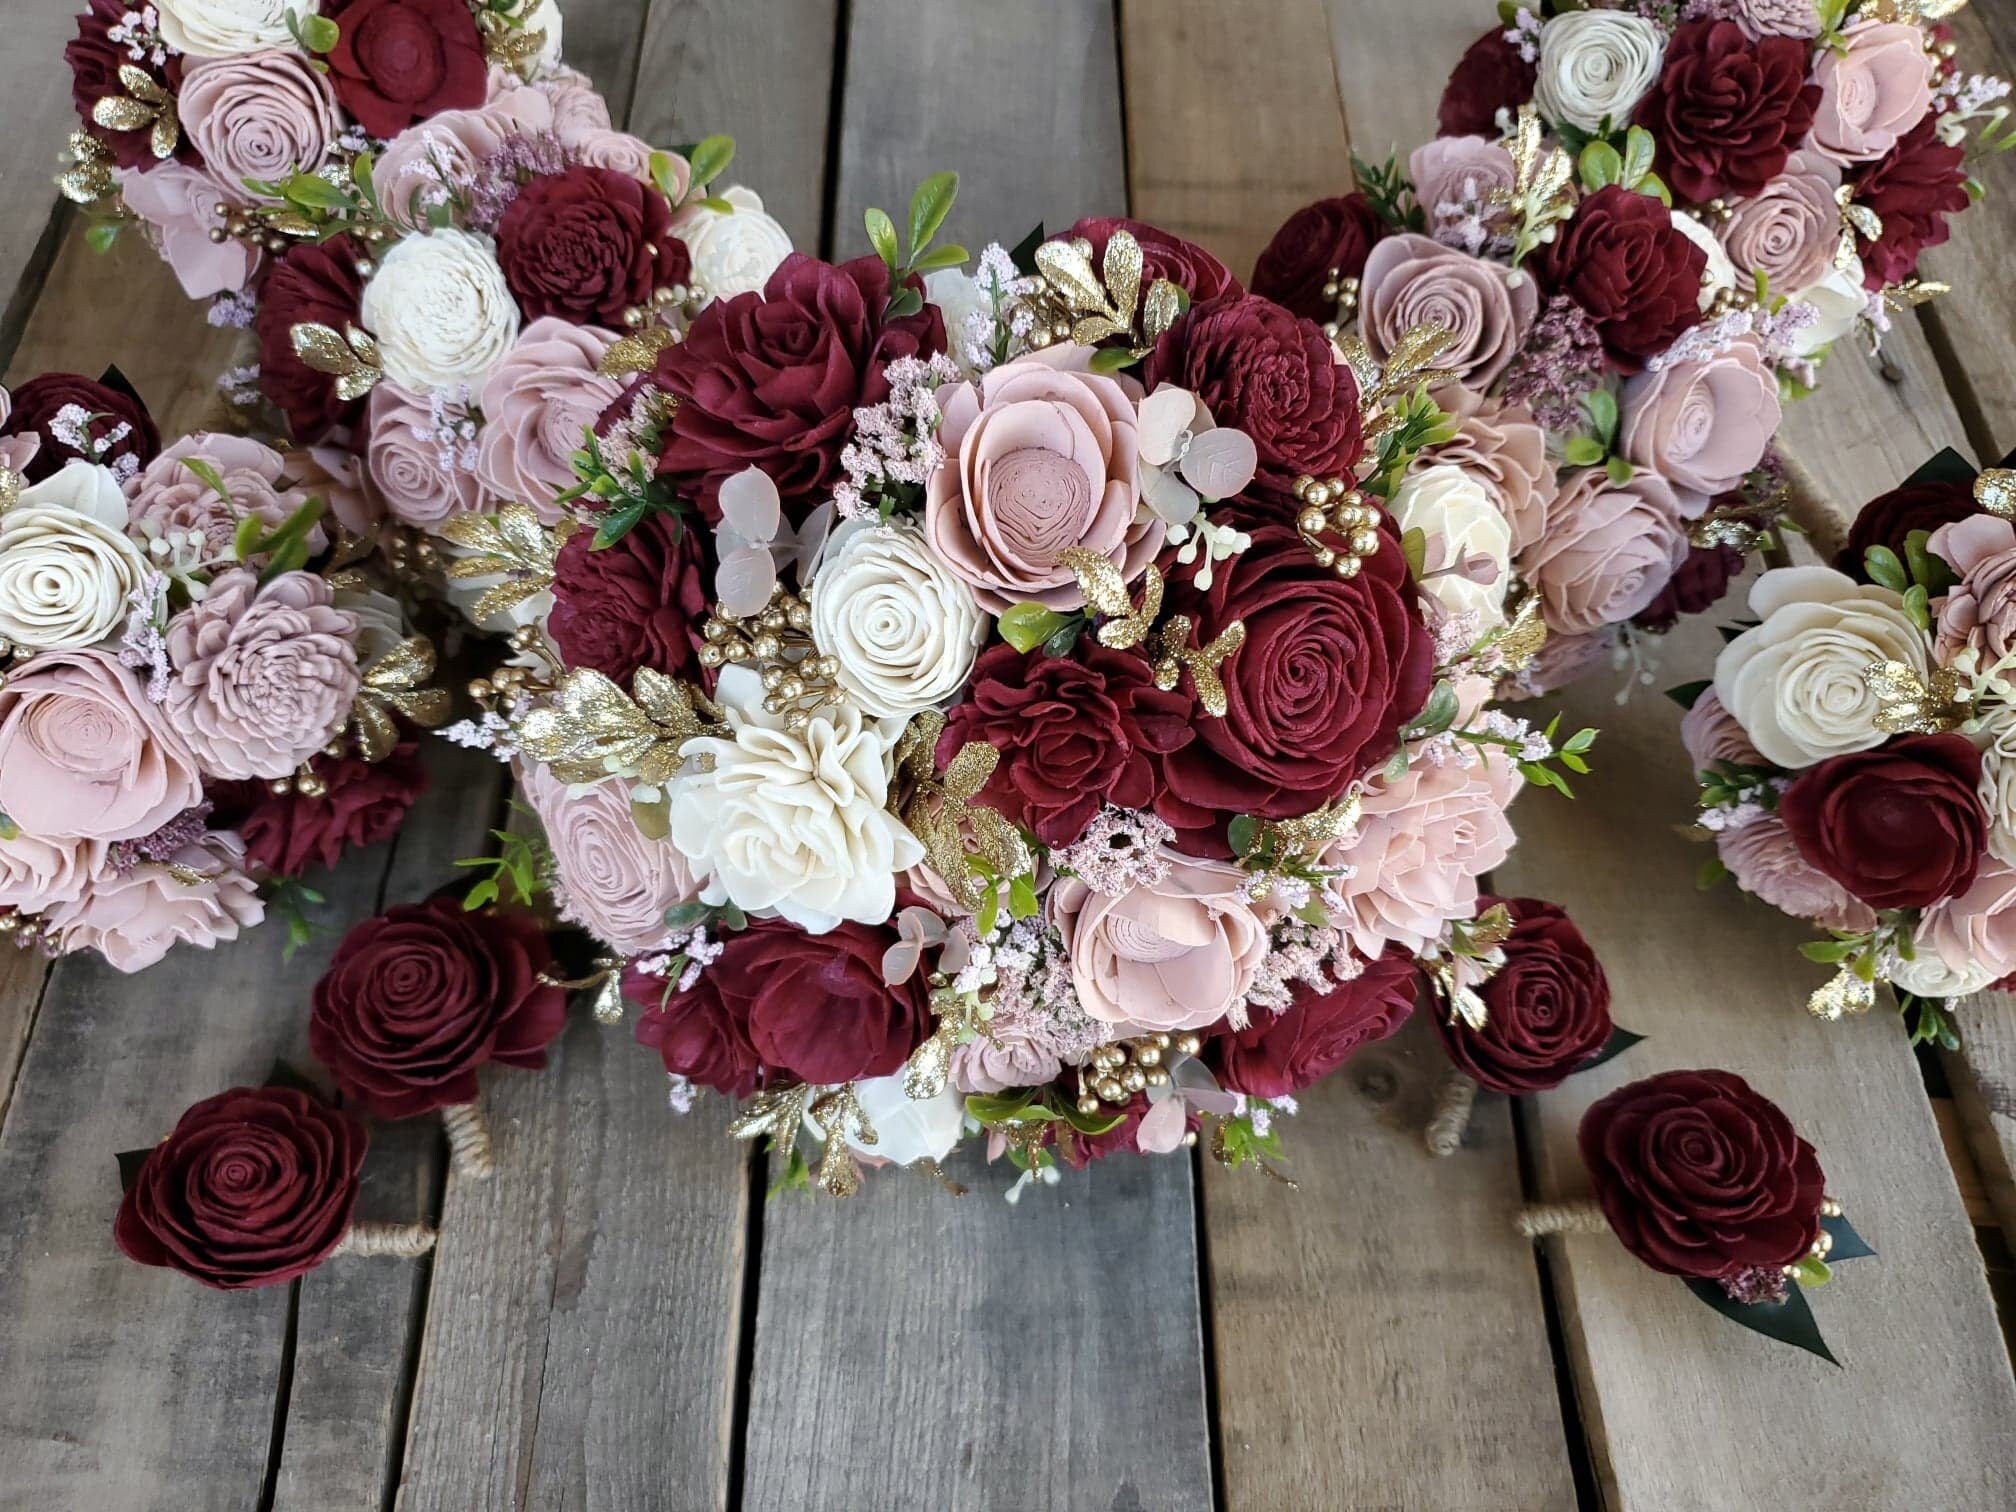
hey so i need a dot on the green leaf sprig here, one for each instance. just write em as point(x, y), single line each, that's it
point(929, 206)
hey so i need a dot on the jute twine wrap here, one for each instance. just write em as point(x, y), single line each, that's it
point(1539, 1219)
point(469, 1141)
point(1453, 1102)
point(404, 1241)
point(1807, 503)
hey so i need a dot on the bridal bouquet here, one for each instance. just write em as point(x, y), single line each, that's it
point(1857, 748)
point(201, 691)
point(1032, 702)
point(1647, 229)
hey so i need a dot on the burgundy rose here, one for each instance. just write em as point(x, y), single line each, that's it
point(1491, 77)
point(1078, 1150)
point(1900, 826)
point(1183, 263)
point(811, 1008)
point(1329, 672)
point(1697, 587)
point(1701, 1176)
point(1073, 734)
point(697, 1034)
point(1279, 1054)
point(639, 602)
point(1912, 191)
point(1621, 258)
point(587, 245)
point(254, 1187)
point(1889, 519)
point(1273, 375)
point(315, 283)
point(110, 402)
point(1317, 243)
point(95, 60)
point(1727, 112)
point(1548, 1006)
point(772, 380)
point(401, 61)
point(362, 803)
point(419, 997)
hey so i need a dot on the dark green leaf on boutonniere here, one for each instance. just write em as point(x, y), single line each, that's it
point(1790, 1321)
point(1848, 1245)
point(1620, 1040)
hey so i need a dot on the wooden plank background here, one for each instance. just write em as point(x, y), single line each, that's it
point(617, 1320)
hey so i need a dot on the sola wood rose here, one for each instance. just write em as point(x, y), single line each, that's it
point(193, 702)
point(1857, 748)
point(1036, 702)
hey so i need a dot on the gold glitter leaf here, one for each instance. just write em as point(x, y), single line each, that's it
point(777, 1113)
point(1122, 268)
point(117, 113)
point(141, 85)
point(1159, 312)
point(406, 666)
point(89, 178)
point(1105, 592)
point(1995, 491)
point(1908, 702)
point(372, 729)
point(1090, 330)
point(942, 814)
point(1067, 267)
point(637, 352)
point(351, 359)
point(1845, 993)
point(592, 728)
point(10, 489)
point(929, 1068)
point(1524, 634)
point(1173, 653)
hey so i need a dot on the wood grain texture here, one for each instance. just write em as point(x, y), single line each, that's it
point(762, 74)
point(35, 86)
point(602, 39)
point(1388, 1294)
point(1392, 58)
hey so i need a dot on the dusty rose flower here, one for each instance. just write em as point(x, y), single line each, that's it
point(1973, 934)
point(178, 206)
point(262, 676)
point(133, 918)
point(85, 756)
point(1702, 426)
point(619, 152)
point(1872, 91)
point(614, 882)
point(1453, 178)
point(1980, 610)
point(1180, 953)
point(1788, 230)
point(537, 408)
point(1562, 660)
point(167, 496)
point(36, 873)
point(1423, 840)
point(336, 475)
point(1778, 18)
point(1607, 551)
point(414, 170)
point(1505, 450)
point(1764, 859)
point(1711, 734)
point(1001, 1059)
point(1412, 280)
point(419, 474)
point(262, 115)
point(577, 105)
point(1040, 454)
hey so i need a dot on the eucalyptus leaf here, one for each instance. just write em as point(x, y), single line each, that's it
point(1789, 1322)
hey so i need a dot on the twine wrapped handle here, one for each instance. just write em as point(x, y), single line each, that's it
point(469, 1141)
point(404, 1241)
point(1453, 1101)
point(1539, 1219)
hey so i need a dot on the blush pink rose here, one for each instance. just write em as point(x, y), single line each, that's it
point(336, 475)
point(414, 171)
point(1608, 550)
point(1702, 426)
point(36, 874)
point(1504, 448)
point(537, 409)
point(1711, 734)
point(263, 115)
point(261, 677)
point(1974, 932)
point(422, 479)
point(1412, 280)
point(85, 756)
point(1765, 861)
point(1788, 230)
point(614, 881)
point(1872, 91)
point(1001, 1059)
point(166, 496)
point(619, 152)
point(1040, 454)
point(1979, 610)
point(1424, 839)
point(134, 917)
point(178, 206)
point(577, 106)
point(1454, 177)
point(1778, 18)
point(1181, 953)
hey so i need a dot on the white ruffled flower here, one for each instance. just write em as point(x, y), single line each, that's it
point(1719, 277)
point(967, 309)
point(441, 311)
point(1998, 785)
point(1447, 502)
point(733, 253)
point(1930, 975)
point(1839, 299)
point(794, 823)
point(543, 16)
point(1596, 64)
point(907, 1129)
point(1795, 682)
point(904, 630)
point(67, 565)
point(226, 28)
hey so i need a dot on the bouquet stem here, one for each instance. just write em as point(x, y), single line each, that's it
point(405, 1241)
point(469, 1141)
point(1453, 1102)
point(1538, 1219)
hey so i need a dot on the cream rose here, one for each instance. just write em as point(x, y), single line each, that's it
point(903, 628)
point(441, 311)
point(1839, 300)
point(225, 28)
point(1450, 506)
point(1719, 277)
point(907, 1129)
point(1795, 682)
point(65, 572)
point(733, 252)
point(1596, 65)
point(794, 823)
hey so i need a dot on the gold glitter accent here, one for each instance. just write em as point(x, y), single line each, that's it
point(1074, 303)
point(145, 106)
point(351, 358)
point(88, 179)
point(10, 487)
point(798, 679)
point(1912, 12)
point(1856, 221)
point(1464, 1002)
point(638, 353)
point(1332, 509)
point(1845, 993)
point(1409, 366)
point(1913, 292)
point(1168, 648)
point(592, 728)
point(396, 683)
point(1995, 491)
point(941, 812)
point(1525, 632)
point(511, 543)
point(1542, 192)
point(1908, 703)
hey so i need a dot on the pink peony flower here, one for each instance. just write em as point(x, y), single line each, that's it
point(1764, 859)
point(1872, 91)
point(133, 918)
point(1002, 1059)
point(427, 162)
point(614, 881)
point(1702, 426)
point(1711, 734)
point(537, 409)
point(178, 206)
point(36, 874)
point(423, 475)
point(167, 496)
point(1607, 551)
point(1979, 610)
point(263, 115)
point(1411, 280)
point(1974, 932)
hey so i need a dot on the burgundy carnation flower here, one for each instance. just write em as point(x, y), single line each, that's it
point(362, 803)
point(314, 283)
point(254, 1187)
point(1697, 587)
point(1329, 672)
point(1900, 826)
point(639, 602)
point(402, 61)
point(1547, 1008)
point(95, 60)
point(110, 402)
point(1912, 191)
point(1889, 519)
point(1702, 1176)
point(1273, 375)
point(781, 1002)
point(1332, 236)
point(421, 996)
point(1491, 77)
point(1727, 112)
point(1621, 258)
point(1279, 1054)
point(772, 380)
point(588, 244)
point(1073, 734)
point(1183, 263)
